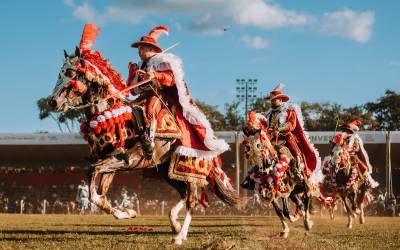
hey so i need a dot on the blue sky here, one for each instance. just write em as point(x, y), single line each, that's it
point(346, 52)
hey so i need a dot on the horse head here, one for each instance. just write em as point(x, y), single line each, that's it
point(258, 148)
point(340, 158)
point(86, 79)
point(71, 84)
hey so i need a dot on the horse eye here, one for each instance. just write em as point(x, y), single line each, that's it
point(70, 73)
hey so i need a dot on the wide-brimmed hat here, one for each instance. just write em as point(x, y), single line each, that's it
point(277, 93)
point(151, 38)
point(351, 127)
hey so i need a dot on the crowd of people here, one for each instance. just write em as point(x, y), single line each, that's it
point(74, 199)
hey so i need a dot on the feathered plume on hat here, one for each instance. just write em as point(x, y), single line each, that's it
point(90, 31)
point(277, 93)
point(352, 126)
point(152, 37)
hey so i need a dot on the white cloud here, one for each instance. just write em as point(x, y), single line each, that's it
point(211, 17)
point(208, 16)
point(353, 25)
point(394, 63)
point(266, 15)
point(87, 13)
point(69, 3)
point(255, 42)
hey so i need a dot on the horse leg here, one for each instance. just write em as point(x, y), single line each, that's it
point(181, 188)
point(308, 223)
point(285, 232)
point(350, 214)
point(190, 205)
point(105, 182)
point(360, 202)
point(331, 213)
point(100, 200)
point(286, 211)
point(299, 204)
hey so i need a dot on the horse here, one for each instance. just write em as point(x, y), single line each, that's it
point(342, 180)
point(272, 171)
point(87, 83)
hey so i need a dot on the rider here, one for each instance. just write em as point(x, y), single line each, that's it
point(167, 89)
point(284, 125)
point(358, 155)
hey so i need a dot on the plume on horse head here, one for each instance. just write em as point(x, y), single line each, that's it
point(95, 66)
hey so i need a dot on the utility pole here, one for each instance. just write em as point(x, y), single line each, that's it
point(246, 92)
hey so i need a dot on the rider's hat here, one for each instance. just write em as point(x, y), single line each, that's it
point(351, 127)
point(277, 93)
point(151, 38)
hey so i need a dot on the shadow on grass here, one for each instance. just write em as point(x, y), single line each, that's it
point(61, 232)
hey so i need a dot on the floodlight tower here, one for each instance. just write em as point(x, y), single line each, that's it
point(246, 92)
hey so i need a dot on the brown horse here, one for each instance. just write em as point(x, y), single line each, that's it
point(272, 172)
point(343, 180)
point(82, 91)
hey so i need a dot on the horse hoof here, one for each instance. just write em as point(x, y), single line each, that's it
point(349, 226)
point(284, 234)
point(132, 213)
point(177, 241)
point(362, 220)
point(308, 224)
point(293, 218)
point(176, 229)
point(119, 215)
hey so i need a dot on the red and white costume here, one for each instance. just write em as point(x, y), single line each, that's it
point(290, 124)
point(198, 139)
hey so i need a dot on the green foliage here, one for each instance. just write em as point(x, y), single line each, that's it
point(215, 117)
point(386, 111)
point(233, 119)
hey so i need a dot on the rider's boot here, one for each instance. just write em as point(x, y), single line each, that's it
point(147, 144)
point(298, 173)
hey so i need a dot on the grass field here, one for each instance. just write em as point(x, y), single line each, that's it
point(149, 232)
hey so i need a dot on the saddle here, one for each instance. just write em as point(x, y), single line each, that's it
point(166, 125)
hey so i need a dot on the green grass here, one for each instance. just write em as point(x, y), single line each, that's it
point(103, 232)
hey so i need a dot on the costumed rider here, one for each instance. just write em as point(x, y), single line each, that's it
point(358, 155)
point(284, 126)
point(167, 89)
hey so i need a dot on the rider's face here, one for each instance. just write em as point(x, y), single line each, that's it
point(276, 102)
point(146, 52)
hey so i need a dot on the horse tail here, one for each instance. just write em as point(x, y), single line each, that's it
point(221, 184)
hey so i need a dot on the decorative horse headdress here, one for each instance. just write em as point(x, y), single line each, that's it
point(152, 37)
point(95, 66)
point(351, 127)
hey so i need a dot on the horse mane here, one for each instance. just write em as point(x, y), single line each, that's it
point(99, 68)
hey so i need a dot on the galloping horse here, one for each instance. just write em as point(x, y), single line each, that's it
point(272, 172)
point(87, 82)
point(342, 180)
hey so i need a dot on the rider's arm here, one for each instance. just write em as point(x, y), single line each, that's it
point(356, 146)
point(164, 78)
point(290, 123)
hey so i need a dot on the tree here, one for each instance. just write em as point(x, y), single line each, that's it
point(213, 115)
point(233, 119)
point(386, 111)
point(261, 105)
